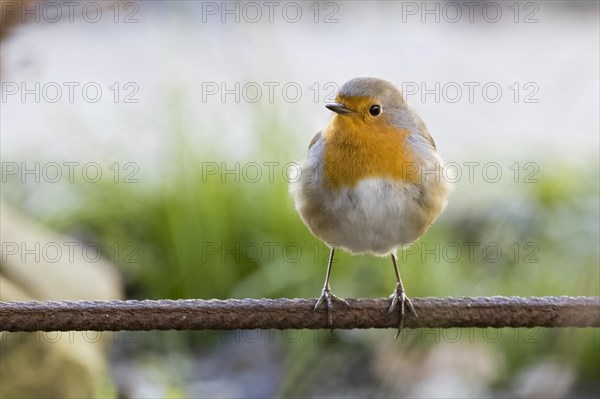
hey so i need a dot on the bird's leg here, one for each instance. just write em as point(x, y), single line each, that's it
point(326, 296)
point(399, 296)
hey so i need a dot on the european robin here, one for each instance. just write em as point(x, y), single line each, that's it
point(371, 181)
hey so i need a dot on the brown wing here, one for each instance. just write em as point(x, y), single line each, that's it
point(314, 140)
point(424, 132)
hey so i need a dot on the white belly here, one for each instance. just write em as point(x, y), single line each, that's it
point(376, 215)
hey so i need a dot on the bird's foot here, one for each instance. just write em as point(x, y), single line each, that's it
point(399, 297)
point(328, 298)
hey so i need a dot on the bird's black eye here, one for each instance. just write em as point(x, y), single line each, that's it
point(375, 110)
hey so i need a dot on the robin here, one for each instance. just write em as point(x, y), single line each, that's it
point(371, 181)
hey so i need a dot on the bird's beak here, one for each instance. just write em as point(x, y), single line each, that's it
point(338, 108)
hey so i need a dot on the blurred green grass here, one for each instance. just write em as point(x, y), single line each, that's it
point(205, 235)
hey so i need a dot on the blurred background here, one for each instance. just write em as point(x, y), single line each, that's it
point(146, 152)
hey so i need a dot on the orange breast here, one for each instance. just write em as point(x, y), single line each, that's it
point(356, 150)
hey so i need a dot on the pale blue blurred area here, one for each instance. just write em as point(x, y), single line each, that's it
point(170, 51)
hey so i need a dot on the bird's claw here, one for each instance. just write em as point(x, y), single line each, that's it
point(328, 298)
point(399, 296)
